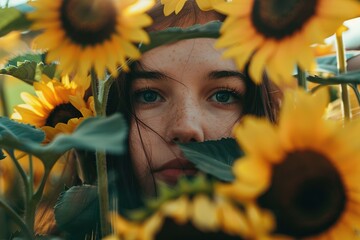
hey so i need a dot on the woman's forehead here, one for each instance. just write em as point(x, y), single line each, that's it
point(194, 51)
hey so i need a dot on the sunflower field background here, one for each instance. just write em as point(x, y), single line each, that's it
point(298, 178)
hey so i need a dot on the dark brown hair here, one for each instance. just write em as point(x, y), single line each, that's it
point(259, 100)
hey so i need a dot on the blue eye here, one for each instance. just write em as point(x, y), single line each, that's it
point(225, 97)
point(147, 96)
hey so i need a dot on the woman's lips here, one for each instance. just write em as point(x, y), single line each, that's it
point(172, 170)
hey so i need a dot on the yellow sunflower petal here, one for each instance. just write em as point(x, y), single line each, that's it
point(177, 209)
point(267, 146)
point(204, 214)
point(77, 55)
point(233, 221)
point(253, 172)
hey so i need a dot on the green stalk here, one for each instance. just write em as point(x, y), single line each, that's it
point(38, 194)
point(30, 205)
point(100, 92)
point(31, 176)
point(301, 77)
point(22, 173)
point(17, 219)
point(341, 59)
point(3, 102)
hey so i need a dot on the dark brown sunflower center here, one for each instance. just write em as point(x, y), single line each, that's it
point(280, 18)
point(62, 114)
point(88, 22)
point(307, 194)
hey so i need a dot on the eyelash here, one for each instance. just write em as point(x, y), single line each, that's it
point(233, 91)
point(137, 94)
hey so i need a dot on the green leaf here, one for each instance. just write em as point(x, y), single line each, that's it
point(349, 77)
point(158, 38)
point(98, 133)
point(31, 57)
point(25, 132)
point(14, 18)
point(30, 71)
point(77, 209)
point(213, 157)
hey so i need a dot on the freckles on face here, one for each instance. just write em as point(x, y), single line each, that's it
point(183, 92)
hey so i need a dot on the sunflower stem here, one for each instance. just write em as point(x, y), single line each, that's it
point(3, 103)
point(341, 60)
point(25, 180)
point(31, 176)
point(94, 88)
point(38, 194)
point(18, 220)
point(100, 98)
point(301, 77)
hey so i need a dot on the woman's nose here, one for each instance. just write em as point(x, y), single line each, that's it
point(186, 125)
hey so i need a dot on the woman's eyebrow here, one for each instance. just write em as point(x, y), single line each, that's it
point(152, 75)
point(225, 74)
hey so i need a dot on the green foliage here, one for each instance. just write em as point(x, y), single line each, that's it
point(10, 129)
point(31, 57)
point(13, 18)
point(190, 187)
point(349, 77)
point(29, 71)
point(77, 209)
point(213, 157)
point(170, 35)
point(102, 134)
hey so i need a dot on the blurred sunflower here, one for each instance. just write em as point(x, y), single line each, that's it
point(57, 106)
point(305, 170)
point(275, 35)
point(9, 175)
point(171, 6)
point(190, 211)
point(200, 218)
point(86, 34)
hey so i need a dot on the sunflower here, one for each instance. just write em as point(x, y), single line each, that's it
point(171, 6)
point(191, 210)
point(276, 35)
point(213, 218)
point(96, 34)
point(200, 218)
point(58, 106)
point(305, 170)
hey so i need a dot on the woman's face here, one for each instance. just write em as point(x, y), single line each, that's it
point(184, 92)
